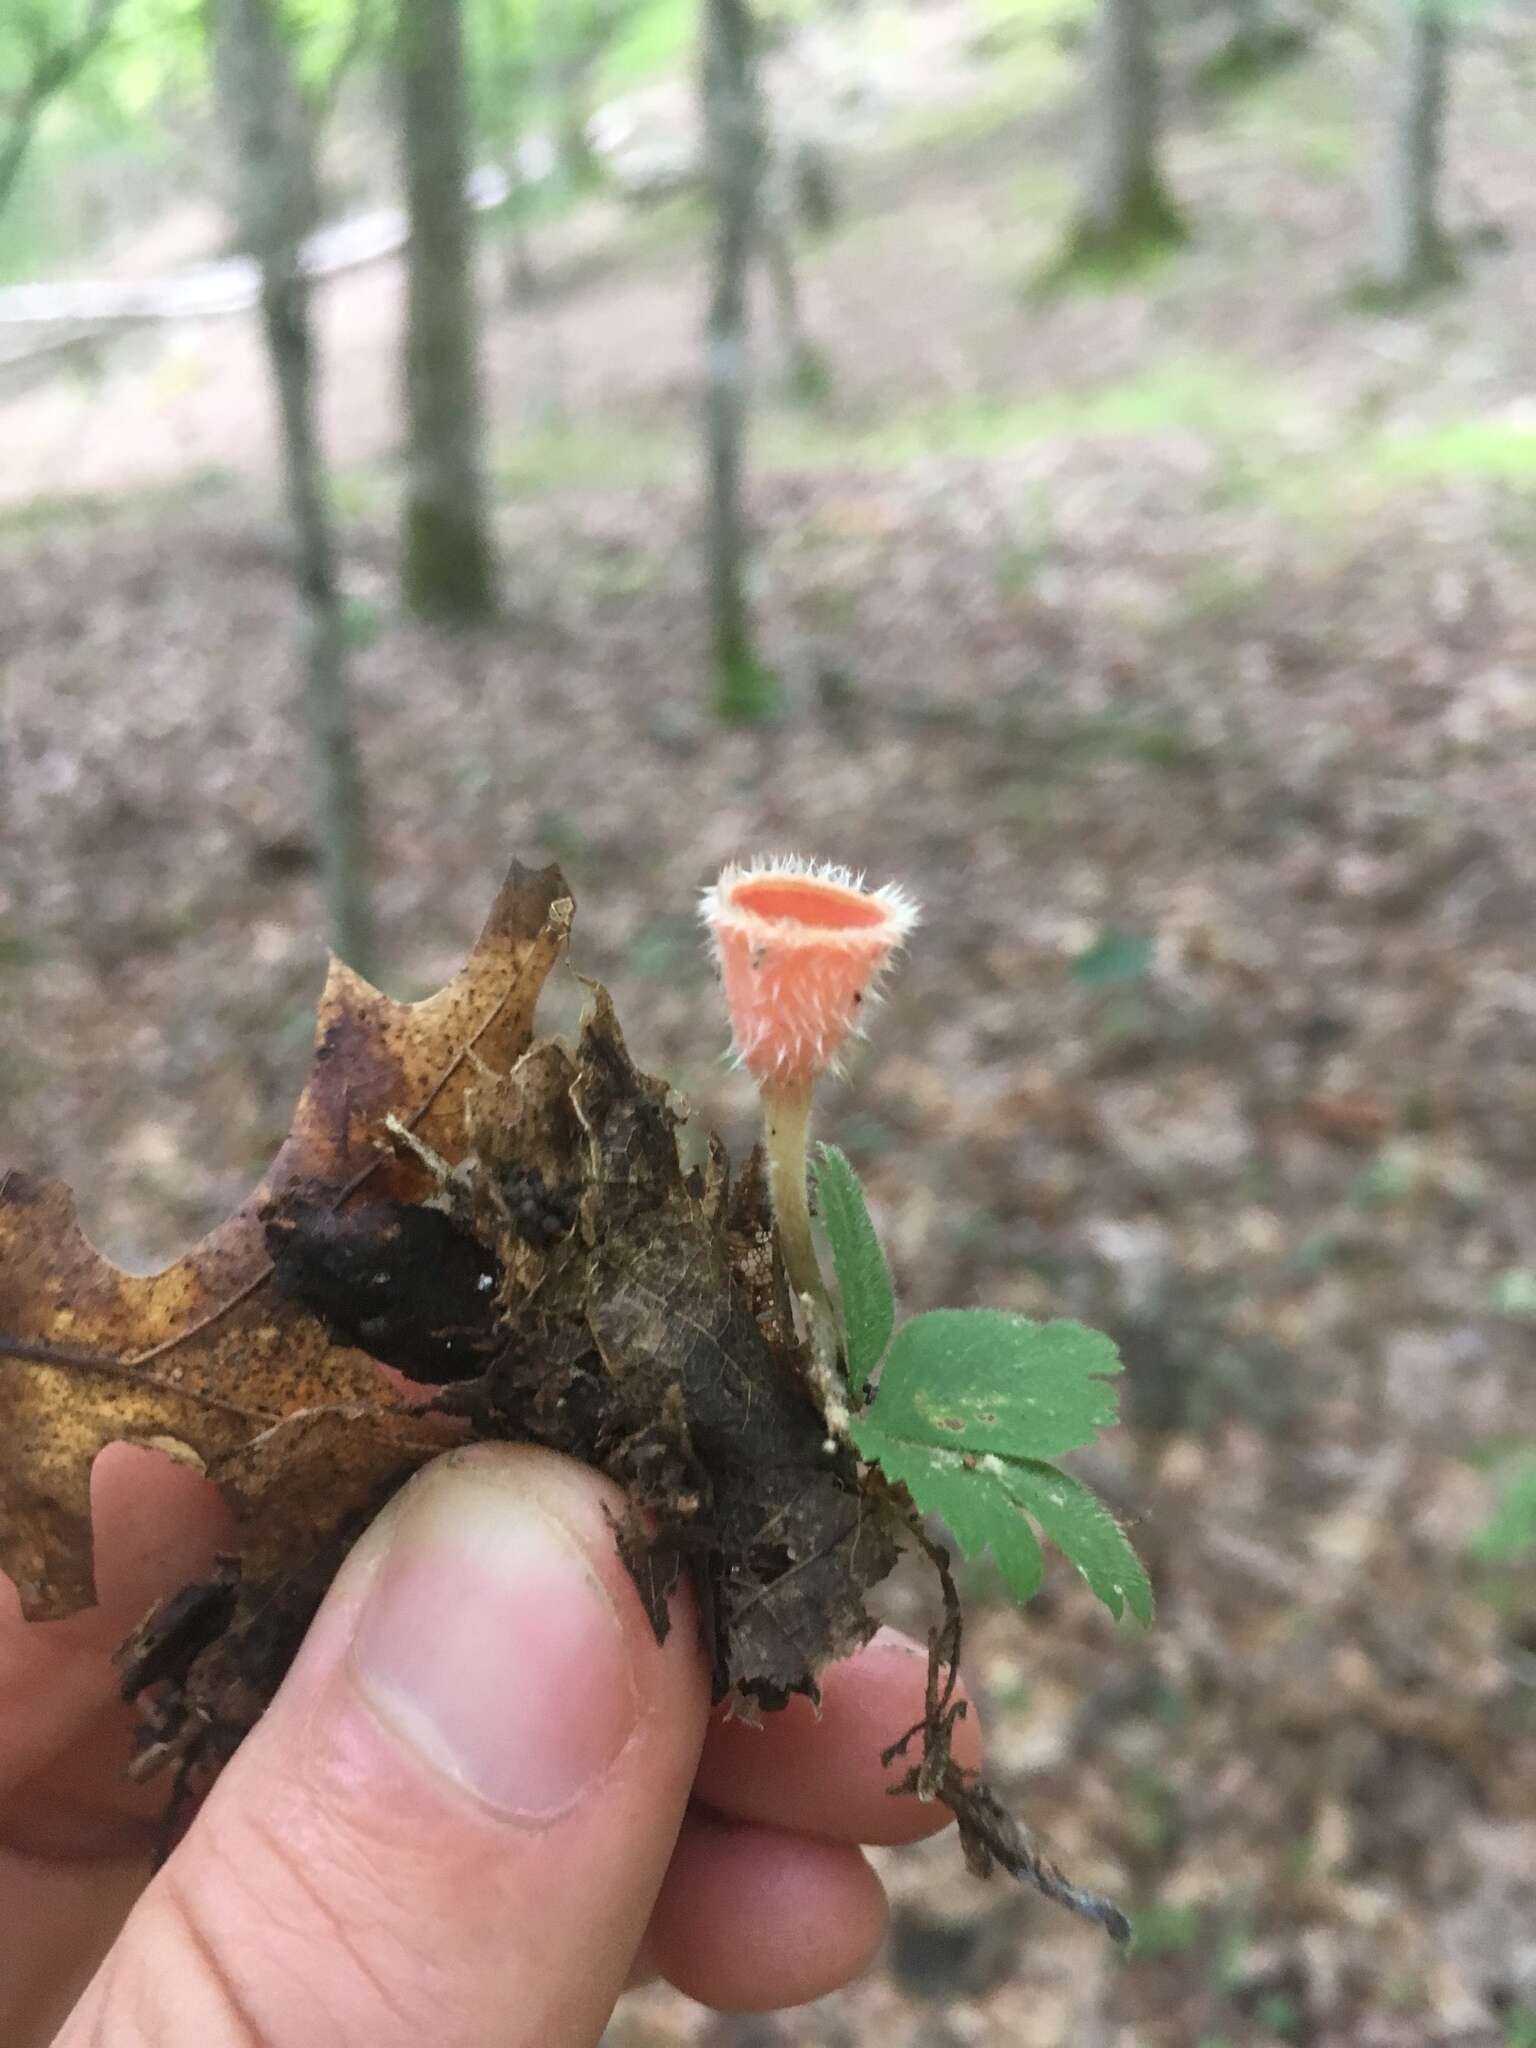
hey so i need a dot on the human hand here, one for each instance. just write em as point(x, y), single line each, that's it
point(483, 1801)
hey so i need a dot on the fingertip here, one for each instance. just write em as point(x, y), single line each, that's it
point(820, 1773)
point(156, 1524)
point(752, 1920)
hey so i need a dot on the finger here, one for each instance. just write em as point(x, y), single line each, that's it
point(764, 1889)
point(750, 1920)
point(453, 1822)
point(822, 1775)
point(64, 1734)
point(57, 1920)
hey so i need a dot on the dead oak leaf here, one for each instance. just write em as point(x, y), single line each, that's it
point(205, 1361)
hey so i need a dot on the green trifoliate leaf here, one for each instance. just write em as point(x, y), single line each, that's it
point(979, 1380)
point(970, 1404)
point(863, 1277)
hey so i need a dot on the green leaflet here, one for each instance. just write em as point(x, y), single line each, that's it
point(979, 1380)
point(984, 1505)
point(976, 1508)
point(1084, 1530)
point(863, 1277)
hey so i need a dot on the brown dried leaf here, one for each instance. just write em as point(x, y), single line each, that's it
point(205, 1360)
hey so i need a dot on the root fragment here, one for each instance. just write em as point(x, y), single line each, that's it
point(991, 1837)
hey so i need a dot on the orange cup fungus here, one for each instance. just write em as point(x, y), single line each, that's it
point(801, 946)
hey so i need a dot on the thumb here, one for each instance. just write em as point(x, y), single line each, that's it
point(452, 1823)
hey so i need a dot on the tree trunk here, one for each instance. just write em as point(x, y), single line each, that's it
point(275, 177)
point(1412, 251)
point(804, 370)
point(447, 571)
point(20, 128)
point(520, 278)
point(339, 801)
point(579, 163)
point(17, 141)
point(733, 153)
point(1128, 211)
point(804, 367)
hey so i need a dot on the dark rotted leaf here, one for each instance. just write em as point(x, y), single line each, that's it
point(787, 1568)
point(540, 1214)
point(794, 1549)
point(752, 1249)
point(195, 1718)
point(404, 1283)
point(654, 1337)
point(176, 1632)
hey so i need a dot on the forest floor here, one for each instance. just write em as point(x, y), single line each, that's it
point(1176, 644)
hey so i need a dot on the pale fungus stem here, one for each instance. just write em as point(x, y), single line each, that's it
point(786, 1132)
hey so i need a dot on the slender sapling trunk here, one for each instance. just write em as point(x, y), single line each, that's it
point(733, 147)
point(1127, 213)
point(1413, 253)
point(447, 570)
point(275, 178)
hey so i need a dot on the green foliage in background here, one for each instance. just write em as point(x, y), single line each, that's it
point(127, 133)
point(1115, 957)
point(153, 59)
point(655, 38)
point(1509, 1534)
point(970, 1407)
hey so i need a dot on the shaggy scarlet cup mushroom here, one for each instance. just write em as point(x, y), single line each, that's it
point(801, 947)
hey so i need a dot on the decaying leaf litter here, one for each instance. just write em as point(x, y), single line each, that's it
point(507, 1218)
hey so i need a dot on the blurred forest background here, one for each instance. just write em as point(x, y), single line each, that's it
point(1076, 456)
